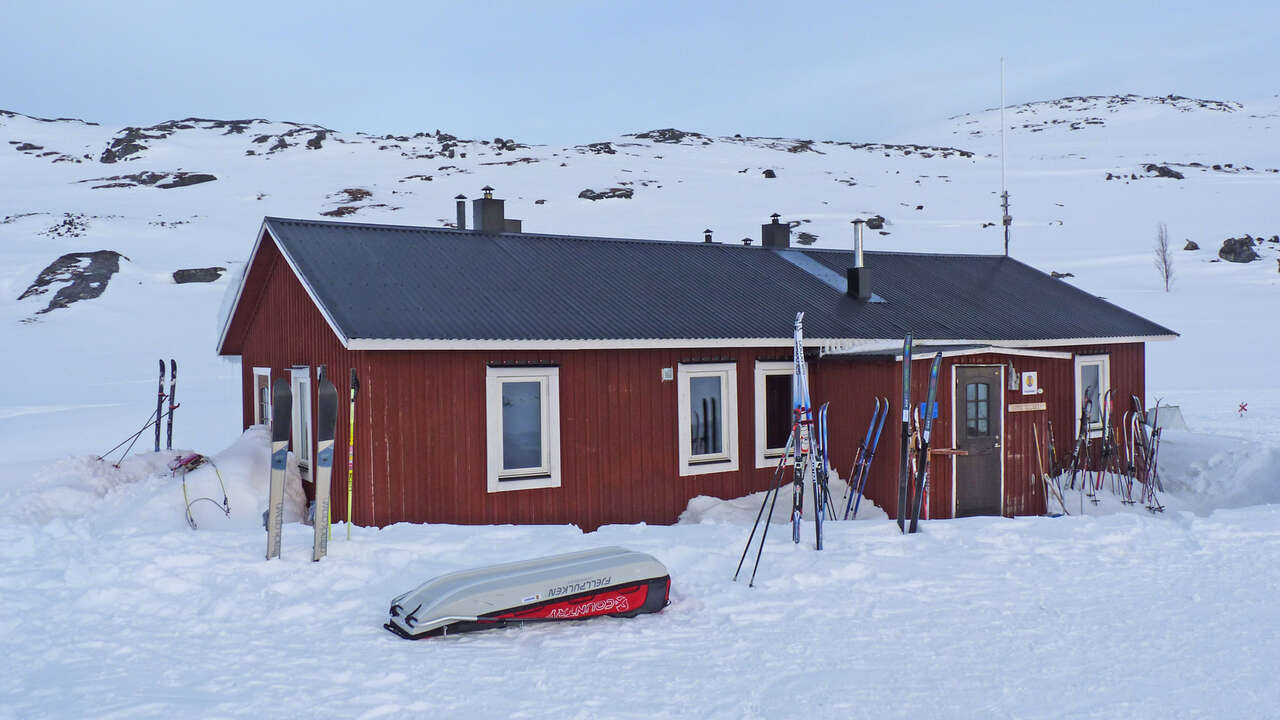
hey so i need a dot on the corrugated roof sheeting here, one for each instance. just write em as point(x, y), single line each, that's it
point(392, 282)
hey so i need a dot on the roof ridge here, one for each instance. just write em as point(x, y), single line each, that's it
point(604, 238)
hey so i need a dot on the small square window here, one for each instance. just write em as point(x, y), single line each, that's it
point(708, 428)
point(523, 420)
point(773, 412)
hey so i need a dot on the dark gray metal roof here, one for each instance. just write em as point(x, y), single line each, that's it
point(394, 282)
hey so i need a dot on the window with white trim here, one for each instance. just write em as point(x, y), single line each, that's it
point(261, 396)
point(1093, 380)
point(773, 410)
point(707, 417)
point(523, 421)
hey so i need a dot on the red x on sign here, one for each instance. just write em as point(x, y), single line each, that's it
point(1244, 408)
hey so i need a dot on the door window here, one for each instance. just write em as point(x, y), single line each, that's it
point(977, 406)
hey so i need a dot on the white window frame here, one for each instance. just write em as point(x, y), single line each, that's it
point(547, 476)
point(1104, 386)
point(726, 461)
point(300, 384)
point(768, 457)
point(261, 372)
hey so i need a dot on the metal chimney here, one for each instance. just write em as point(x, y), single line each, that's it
point(775, 234)
point(462, 212)
point(706, 235)
point(858, 276)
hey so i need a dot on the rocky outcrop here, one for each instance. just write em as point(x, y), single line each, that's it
point(1191, 245)
point(1163, 171)
point(672, 136)
point(85, 275)
point(1238, 250)
point(198, 275)
point(613, 192)
point(163, 180)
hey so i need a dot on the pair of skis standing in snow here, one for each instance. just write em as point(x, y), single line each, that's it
point(808, 439)
point(1126, 453)
point(327, 422)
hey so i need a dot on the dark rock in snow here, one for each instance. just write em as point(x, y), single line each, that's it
point(613, 192)
point(1191, 245)
point(1163, 171)
point(1238, 250)
point(198, 275)
point(86, 275)
point(875, 222)
point(806, 238)
point(354, 194)
point(599, 148)
point(769, 173)
point(671, 135)
point(1057, 275)
point(163, 180)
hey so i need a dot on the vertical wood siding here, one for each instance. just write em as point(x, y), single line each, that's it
point(421, 425)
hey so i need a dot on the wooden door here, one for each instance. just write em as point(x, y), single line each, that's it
point(979, 409)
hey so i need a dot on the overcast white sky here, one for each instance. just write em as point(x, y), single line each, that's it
point(574, 72)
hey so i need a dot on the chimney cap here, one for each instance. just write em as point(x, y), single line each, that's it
point(460, 196)
point(775, 217)
point(855, 221)
point(488, 192)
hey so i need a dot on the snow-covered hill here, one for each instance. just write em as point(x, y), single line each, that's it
point(116, 609)
point(1088, 176)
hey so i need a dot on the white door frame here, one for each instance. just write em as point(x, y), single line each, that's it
point(955, 464)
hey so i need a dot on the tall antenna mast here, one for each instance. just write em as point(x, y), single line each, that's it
point(1004, 193)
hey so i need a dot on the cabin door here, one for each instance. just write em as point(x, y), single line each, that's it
point(300, 378)
point(978, 412)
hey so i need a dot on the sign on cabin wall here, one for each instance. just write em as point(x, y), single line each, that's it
point(1027, 407)
point(1031, 382)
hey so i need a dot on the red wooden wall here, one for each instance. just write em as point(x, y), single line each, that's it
point(420, 420)
point(1022, 496)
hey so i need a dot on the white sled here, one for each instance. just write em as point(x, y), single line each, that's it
point(606, 581)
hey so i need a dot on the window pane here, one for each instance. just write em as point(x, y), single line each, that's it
point(777, 411)
point(704, 415)
point(1089, 380)
point(976, 408)
point(521, 425)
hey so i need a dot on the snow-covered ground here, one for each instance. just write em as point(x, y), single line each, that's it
point(114, 607)
point(117, 609)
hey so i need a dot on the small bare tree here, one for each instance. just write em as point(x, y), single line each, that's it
point(1164, 256)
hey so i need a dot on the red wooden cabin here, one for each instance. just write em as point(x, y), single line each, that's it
point(511, 377)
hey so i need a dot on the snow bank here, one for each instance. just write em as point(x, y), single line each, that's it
point(142, 493)
point(1212, 471)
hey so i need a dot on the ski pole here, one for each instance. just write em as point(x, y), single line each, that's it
point(778, 478)
point(351, 445)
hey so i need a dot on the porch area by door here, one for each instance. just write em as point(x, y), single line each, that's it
point(978, 409)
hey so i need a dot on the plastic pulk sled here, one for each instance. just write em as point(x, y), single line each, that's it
point(610, 581)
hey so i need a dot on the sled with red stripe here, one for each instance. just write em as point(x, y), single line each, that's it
point(610, 581)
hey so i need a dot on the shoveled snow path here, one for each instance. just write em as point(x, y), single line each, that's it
point(1121, 615)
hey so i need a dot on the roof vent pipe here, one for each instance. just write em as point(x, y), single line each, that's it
point(775, 234)
point(858, 276)
point(462, 212)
